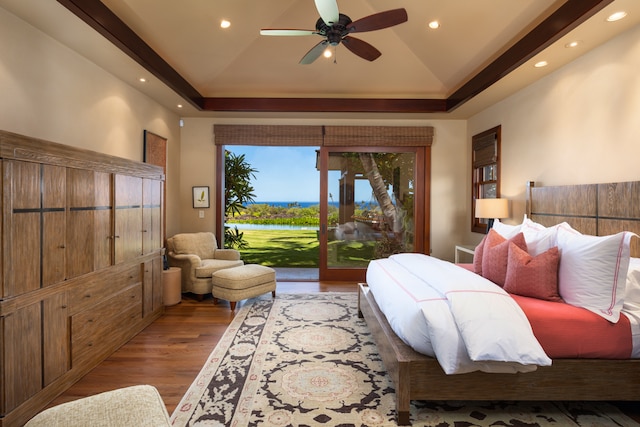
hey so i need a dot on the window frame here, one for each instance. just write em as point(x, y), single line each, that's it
point(478, 142)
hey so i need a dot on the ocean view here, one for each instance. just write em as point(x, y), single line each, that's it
point(287, 204)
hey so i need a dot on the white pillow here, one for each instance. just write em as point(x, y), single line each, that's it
point(632, 290)
point(505, 230)
point(593, 271)
point(532, 224)
point(538, 239)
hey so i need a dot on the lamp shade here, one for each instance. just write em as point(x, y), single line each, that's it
point(492, 208)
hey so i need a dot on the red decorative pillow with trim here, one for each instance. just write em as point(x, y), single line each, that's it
point(477, 256)
point(495, 254)
point(533, 276)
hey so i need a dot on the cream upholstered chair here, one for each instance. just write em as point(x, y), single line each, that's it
point(198, 256)
point(136, 406)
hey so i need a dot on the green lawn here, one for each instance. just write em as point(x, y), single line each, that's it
point(281, 248)
point(301, 248)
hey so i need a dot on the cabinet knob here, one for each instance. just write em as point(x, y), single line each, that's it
point(64, 306)
point(62, 246)
point(87, 296)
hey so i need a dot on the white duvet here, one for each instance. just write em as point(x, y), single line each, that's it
point(464, 320)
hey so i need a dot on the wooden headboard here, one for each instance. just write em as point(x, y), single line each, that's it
point(596, 209)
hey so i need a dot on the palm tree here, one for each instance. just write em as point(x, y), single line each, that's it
point(238, 191)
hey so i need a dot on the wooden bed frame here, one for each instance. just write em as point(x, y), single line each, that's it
point(597, 209)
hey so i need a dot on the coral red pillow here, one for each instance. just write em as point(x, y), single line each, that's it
point(495, 253)
point(535, 277)
point(477, 256)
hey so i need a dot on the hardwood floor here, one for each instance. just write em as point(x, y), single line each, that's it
point(169, 353)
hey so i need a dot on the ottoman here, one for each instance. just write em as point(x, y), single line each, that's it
point(246, 281)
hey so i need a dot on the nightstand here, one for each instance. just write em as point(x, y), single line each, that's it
point(467, 249)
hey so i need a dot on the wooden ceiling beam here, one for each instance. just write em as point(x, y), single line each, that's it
point(314, 105)
point(559, 23)
point(99, 17)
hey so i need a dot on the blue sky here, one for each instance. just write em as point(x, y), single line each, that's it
point(285, 174)
point(288, 174)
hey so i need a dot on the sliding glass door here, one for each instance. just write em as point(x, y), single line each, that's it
point(368, 199)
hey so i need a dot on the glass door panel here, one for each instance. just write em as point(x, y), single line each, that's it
point(369, 208)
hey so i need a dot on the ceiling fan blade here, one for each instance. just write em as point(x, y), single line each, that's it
point(361, 48)
point(286, 32)
point(328, 11)
point(314, 53)
point(378, 21)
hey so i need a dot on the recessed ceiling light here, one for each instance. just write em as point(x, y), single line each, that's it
point(434, 24)
point(142, 80)
point(179, 105)
point(541, 64)
point(225, 24)
point(572, 44)
point(616, 16)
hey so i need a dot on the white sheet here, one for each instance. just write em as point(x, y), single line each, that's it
point(444, 315)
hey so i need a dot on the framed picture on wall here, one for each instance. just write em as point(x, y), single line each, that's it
point(200, 197)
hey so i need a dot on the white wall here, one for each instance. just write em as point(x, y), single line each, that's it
point(580, 124)
point(51, 92)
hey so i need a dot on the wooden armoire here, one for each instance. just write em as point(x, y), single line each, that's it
point(81, 265)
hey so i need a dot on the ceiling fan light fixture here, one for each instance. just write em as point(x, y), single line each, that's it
point(336, 28)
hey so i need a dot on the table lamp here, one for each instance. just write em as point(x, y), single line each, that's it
point(491, 209)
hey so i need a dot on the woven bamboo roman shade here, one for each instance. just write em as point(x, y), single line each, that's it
point(267, 135)
point(365, 136)
point(485, 151)
point(371, 136)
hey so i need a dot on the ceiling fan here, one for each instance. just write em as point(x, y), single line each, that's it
point(335, 27)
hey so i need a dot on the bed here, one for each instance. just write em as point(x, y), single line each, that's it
point(595, 209)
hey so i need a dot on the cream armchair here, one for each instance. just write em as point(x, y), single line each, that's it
point(198, 256)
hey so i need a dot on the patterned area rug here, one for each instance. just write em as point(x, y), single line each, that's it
point(308, 360)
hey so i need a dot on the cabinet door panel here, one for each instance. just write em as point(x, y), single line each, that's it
point(53, 247)
point(21, 187)
point(80, 242)
point(152, 215)
point(22, 355)
point(80, 221)
point(103, 230)
point(56, 337)
point(157, 283)
point(147, 288)
point(54, 202)
point(152, 286)
point(128, 218)
point(24, 268)
point(25, 184)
